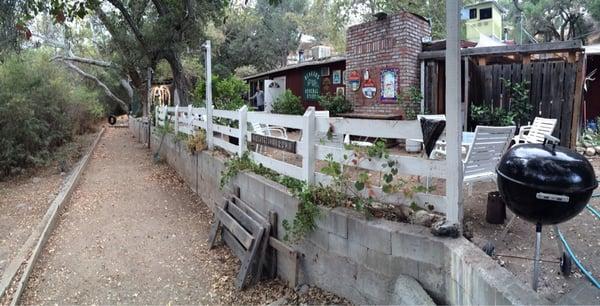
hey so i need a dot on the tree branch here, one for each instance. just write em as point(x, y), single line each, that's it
point(136, 32)
point(89, 61)
point(107, 91)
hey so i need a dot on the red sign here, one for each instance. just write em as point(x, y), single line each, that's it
point(354, 80)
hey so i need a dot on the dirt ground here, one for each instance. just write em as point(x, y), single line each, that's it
point(24, 199)
point(133, 233)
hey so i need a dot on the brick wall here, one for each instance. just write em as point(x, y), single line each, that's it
point(394, 42)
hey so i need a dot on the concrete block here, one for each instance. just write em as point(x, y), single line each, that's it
point(319, 238)
point(371, 234)
point(407, 291)
point(379, 262)
point(433, 279)
point(254, 193)
point(418, 247)
point(374, 286)
point(334, 221)
point(338, 245)
point(406, 266)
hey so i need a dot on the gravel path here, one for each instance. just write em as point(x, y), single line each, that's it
point(134, 233)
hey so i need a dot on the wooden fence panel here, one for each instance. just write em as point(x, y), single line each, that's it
point(551, 89)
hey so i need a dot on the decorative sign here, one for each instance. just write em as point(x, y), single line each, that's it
point(389, 85)
point(340, 91)
point(354, 80)
point(312, 85)
point(344, 76)
point(337, 77)
point(274, 142)
point(369, 90)
point(326, 85)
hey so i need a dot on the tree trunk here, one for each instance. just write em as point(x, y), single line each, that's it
point(180, 81)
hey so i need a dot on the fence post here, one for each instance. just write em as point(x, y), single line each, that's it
point(243, 127)
point(165, 114)
point(308, 153)
point(176, 119)
point(209, 101)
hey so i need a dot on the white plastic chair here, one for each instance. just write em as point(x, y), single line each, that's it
point(489, 144)
point(535, 132)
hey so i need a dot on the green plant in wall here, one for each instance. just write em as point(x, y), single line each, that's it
point(410, 102)
point(288, 104)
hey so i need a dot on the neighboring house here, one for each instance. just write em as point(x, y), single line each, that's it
point(484, 18)
point(307, 80)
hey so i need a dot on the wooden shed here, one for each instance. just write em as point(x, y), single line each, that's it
point(554, 72)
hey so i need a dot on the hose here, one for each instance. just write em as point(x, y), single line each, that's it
point(587, 273)
point(595, 212)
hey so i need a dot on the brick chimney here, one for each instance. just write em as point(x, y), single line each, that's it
point(391, 43)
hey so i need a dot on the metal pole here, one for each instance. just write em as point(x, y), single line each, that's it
point(454, 180)
point(536, 260)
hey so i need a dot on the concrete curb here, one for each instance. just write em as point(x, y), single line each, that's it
point(43, 231)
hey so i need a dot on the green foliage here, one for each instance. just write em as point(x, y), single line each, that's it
point(335, 104)
point(41, 108)
point(288, 104)
point(411, 102)
point(491, 116)
point(520, 107)
point(227, 92)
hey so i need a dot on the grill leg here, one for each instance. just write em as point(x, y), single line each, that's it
point(536, 262)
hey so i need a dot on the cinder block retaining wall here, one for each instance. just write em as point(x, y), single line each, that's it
point(354, 257)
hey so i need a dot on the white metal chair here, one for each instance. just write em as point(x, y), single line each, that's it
point(489, 144)
point(535, 132)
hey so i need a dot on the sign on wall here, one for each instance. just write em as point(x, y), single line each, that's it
point(337, 77)
point(389, 85)
point(354, 80)
point(369, 90)
point(326, 85)
point(274, 142)
point(312, 85)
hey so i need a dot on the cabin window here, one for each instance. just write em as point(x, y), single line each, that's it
point(473, 13)
point(485, 13)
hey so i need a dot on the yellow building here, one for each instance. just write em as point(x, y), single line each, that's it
point(484, 18)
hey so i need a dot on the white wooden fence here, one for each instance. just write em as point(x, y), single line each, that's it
point(314, 145)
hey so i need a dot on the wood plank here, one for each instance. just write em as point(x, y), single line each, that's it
point(487, 84)
point(214, 228)
point(559, 99)
point(536, 80)
point(226, 130)
point(231, 148)
point(549, 47)
point(249, 261)
point(569, 92)
point(546, 84)
point(236, 247)
point(272, 263)
point(291, 121)
point(577, 99)
point(496, 84)
point(235, 228)
point(243, 219)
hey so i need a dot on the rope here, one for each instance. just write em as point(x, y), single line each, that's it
point(587, 273)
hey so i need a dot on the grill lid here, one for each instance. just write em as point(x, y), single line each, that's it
point(548, 168)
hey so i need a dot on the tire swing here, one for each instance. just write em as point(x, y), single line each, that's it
point(112, 120)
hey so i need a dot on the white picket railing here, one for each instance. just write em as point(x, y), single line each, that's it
point(314, 144)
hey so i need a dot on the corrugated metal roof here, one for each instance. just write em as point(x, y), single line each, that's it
point(328, 60)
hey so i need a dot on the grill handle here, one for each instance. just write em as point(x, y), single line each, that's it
point(550, 138)
point(552, 197)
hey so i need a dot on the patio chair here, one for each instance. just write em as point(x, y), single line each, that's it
point(535, 133)
point(489, 144)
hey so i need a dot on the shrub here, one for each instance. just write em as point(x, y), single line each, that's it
point(41, 108)
point(288, 104)
point(335, 104)
point(227, 92)
point(411, 102)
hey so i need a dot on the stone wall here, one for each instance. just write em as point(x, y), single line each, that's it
point(394, 42)
point(366, 261)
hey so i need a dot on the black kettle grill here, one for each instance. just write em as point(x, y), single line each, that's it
point(545, 185)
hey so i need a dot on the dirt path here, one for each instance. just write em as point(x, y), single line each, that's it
point(134, 233)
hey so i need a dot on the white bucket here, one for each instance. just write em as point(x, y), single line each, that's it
point(413, 146)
